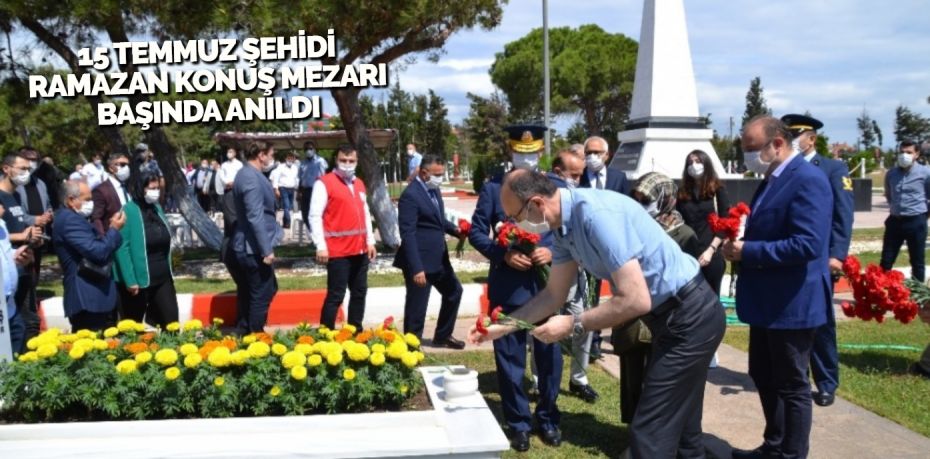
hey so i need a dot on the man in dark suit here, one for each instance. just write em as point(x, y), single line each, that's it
point(89, 299)
point(424, 255)
point(786, 245)
point(512, 281)
point(254, 239)
point(825, 364)
point(111, 195)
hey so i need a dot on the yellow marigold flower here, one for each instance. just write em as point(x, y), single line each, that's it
point(248, 339)
point(278, 349)
point(350, 327)
point(111, 358)
point(397, 349)
point(76, 353)
point(139, 328)
point(334, 359)
point(219, 357)
point(239, 357)
point(330, 335)
point(348, 374)
point(47, 350)
point(173, 326)
point(192, 360)
point(217, 321)
point(409, 359)
point(219, 381)
point(378, 347)
point(299, 372)
point(127, 366)
point(412, 340)
point(85, 333)
point(259, 350)
point(358, 353)
point(314, 360)
point(33, 343)
point(125, 325)
point(143, 357)
point(100, 345)
point(193, 324)
point(30, 356)
point(404, 389)
point(110, 332)
point(420, 356)
point(275, 391)
point(166, 357)
point(188, 349)
point(376, 359)
point(172, 373)
point(305, 349)
point(69, 338)
point(86, 344)
point(293, 359)
point(323, 329)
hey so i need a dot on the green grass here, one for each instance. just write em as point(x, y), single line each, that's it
point(877, 379)
point(874, 257)
point(867, 234)
point(588, 430)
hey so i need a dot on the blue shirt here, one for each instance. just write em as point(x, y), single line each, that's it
point(908, 191)
point(602, 230)
point(10, 272)
point(414, 162)
point(310, 170)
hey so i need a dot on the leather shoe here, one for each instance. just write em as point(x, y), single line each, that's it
point(583, 391)
point(824, 398)
point(595, 353)
point(520, 441)
point(551, 437)
point(758, 453)
point(918, 370)
point(450, 343)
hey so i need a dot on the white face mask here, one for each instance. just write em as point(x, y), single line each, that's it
point(204, 166)
point(411, 152)
point(87, 208)
point(231, 155)
point(347, 170)
point(594, 162)
point(753, 160)
point(122, 173)
point(534, 227)
point(571, 183)
point(695, 170)
point(98, 162)
point(652, 209)
point(905, 160)
point(526, 161)
point(33, 166)
point(21, 179)
point(310, 152)
point(152, 196)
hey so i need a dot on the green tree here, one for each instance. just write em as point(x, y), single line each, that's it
point(437, 128)
point(484, 126)
point(866, 130)
point(909, 125)
point(822, 145)
point(591, 75)
point(755, 101)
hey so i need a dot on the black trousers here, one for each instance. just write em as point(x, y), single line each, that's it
point(911, 230)
point(633, 365)
point(303, 198)
point(203, 200)
point(668, 418)
point(94, 321)
point(26, 307)
point(256, 286)
point(778, 362)
point(343, 272)
point(417, 300)
point(156, 304)
point(714, 270)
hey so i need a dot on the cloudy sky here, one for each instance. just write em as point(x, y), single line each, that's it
point(831, 57)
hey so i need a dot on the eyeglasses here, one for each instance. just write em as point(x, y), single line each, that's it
point(526, 203)
point(594, 152)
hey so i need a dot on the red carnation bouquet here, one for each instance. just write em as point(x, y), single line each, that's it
point(878, 292)
point(511, 237)
point(497, 316)
point(464, 228)
point(730, 227)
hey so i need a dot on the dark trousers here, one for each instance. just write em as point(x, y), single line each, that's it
point(417, 299)
point(343, 272)
point(303, 197)
point(778, 361)
point(913, 231)
point(633, 364)
point(17, 333)
point(26, 306)
point(203, 200)
point(714, 270)
point(94, 321)
point(287, 204)
point(156, 304)
point(668, 418)
point(510, 359)
point(256, 287)
point(825, 359)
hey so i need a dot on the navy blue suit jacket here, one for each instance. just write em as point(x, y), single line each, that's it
point(616, 181)
point(422, 231)
point(784, 279)
point(841, 229)
point(75, 239)
point(257, 231)
point(506, 286)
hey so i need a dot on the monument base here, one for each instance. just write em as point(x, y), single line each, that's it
point(662, 150)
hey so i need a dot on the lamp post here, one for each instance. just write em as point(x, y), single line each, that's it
point(545, 5)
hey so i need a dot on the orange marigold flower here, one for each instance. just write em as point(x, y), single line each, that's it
point(112, 343)
point(153, 347)
point(363, 337)
point(343, 335)
point(305, 340)
point(265, 338)
point(229, 343)
point(135, 348)
point(147, 337)
point(65, 346)
point(389, 337)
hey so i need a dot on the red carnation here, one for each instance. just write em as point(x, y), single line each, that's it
point(848, 309)
point(388, 322)
point(464, 226)
point(481, 325)
point(495, 314)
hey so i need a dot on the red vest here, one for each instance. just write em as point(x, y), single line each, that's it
point(344, 225)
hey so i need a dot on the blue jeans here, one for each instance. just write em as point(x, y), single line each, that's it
point(287, 203)
point(17, 333)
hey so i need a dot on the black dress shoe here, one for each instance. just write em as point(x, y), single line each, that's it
point(916, 369)
point(583, 391)
point(824, 398)
point(450, 343)
point(551, 437)
point(520, 441)
point(758, 453)
point(595, 353)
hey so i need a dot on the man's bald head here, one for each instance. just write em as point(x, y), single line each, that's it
point(569, 165)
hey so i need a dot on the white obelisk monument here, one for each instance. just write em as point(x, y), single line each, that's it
point(665, 123)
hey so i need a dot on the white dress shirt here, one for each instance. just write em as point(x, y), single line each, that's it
point(318, 205)
point(228, 171)
point(286, 177)
point(601, 175)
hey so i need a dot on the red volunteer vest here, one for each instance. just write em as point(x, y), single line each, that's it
point(344, 225)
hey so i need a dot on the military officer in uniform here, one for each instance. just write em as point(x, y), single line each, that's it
point(824, 356)
point(512, 281)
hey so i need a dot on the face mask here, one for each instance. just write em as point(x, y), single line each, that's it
point(21, 179)
point(594, 162)
point(290, 163)
point(268, 166)
point(905, 160)
point(571, 183)
point(652, 209)
point(152, 196)
point(526, 161)
point(98, 162)
point(410, 152)
point(122, 173)
point(434, 182)
point(754, 162)
point(695, 170)
point(33, 166)
point(347, 170)
point(533, 227)
point(310, 152)
point(204, 166)
point(87, 208)
point(231, 156)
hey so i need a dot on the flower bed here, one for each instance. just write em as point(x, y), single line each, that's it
point(192, 371)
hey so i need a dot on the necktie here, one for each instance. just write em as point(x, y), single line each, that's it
point(600, 182)
point(432, 197)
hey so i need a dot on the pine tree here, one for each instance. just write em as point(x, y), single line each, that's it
point(755, 101)
point(910, 126)
point(866, 130)
point(437, 127)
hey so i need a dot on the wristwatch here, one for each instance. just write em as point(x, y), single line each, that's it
point(577, 327)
